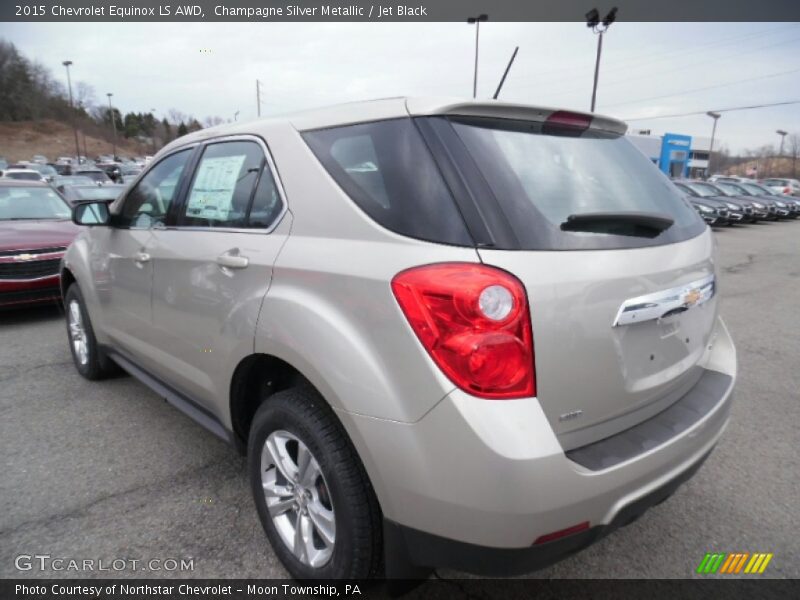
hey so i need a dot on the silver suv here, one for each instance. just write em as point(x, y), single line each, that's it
point(473, 335)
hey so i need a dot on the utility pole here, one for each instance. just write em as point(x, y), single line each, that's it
point(67, 64)
point(114, 123)
point(593, 23)
point(714, 116)
point(258, 97)
point(477, 22)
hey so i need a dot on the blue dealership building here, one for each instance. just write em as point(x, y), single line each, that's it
point(676, 154)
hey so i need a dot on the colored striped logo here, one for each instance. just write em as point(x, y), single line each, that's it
point(734, 563)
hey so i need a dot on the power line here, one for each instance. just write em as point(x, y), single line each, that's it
point(647, 59)
point(702, 89)
point(679, 68)
point(717, 110)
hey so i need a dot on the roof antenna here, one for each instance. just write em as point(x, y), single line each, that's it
point(508, 68)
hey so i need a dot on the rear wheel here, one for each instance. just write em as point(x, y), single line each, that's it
point(88, 357)
point(313, 496)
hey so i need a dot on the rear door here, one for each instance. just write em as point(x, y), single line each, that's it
point(213, 268)
point(617, 265)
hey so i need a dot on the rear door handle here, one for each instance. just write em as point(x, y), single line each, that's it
point(232, 261)
point(142, 257)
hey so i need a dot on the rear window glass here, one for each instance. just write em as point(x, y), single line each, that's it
point(540, 179)
point(386, 168)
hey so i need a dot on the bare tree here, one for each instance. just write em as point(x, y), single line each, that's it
point(213, 121)
point(84, 96)
point(177, 117)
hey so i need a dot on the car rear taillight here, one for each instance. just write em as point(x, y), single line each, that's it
point(787, 190)
point(566, 123)
point(474, 322)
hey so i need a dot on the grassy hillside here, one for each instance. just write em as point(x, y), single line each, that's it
point(20, 140)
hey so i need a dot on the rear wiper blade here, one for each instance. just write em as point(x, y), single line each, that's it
point(639, 224)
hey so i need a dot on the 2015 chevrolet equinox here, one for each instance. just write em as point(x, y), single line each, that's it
point(468, 334)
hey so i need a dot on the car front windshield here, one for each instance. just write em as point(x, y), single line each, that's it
point(703, 190)
point(31, 203)
point(732, 189)
point(756, 189)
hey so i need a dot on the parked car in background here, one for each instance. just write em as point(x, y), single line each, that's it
point(737, 194)
point(766, 194)
point(704, 199)
point(110, 169)
point(710, 214)
point(61, 181)
point(97, 175)
point(790, 187)
point(128, 179)
point(728, 179)
point(45, 170)
point(78, 193)
point(35, 230)
point(22, 174)
point(39, 159)
point(354, 297)
point(708, 193)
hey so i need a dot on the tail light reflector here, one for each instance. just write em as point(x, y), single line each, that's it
point(561, 533)
point(474, 322)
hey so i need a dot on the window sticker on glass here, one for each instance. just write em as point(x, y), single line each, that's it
point(214, 186)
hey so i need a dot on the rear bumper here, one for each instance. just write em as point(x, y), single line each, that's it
point(476, 477)
point(411, 549)
point(23, 292)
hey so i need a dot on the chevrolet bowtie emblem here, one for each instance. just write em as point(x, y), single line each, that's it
point(691, 297)
point(24, 257)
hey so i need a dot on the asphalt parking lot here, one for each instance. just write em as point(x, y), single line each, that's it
point(109, 470)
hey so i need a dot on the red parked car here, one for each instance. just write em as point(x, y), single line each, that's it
point(35, 230)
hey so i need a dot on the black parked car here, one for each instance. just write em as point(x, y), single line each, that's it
point(733, 196)
point(701, 201)
point(735, 191)
point(767, 194)
point(736, 212)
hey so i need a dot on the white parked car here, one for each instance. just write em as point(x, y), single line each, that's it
point(790, 187)
point(24, 174)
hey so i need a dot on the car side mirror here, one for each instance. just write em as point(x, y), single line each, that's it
point(91, 213)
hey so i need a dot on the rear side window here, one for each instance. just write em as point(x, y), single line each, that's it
point(540, 178)
point(386, 169)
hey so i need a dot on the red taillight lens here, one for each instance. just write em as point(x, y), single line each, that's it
point(787, 190)
point(566, 123)
point(473, 320)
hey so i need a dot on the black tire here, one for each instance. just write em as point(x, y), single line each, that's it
point(358, 549)
point(97, 364)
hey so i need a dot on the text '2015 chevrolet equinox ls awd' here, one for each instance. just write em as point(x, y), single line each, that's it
point(474, 335)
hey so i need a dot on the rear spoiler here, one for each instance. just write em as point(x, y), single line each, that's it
point(507, 110)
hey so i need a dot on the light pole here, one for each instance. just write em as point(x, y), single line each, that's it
point(477, 22)
point(714, 116)
point(67, 64)
point(236, 116)
point(114, 123)
point(593, 22)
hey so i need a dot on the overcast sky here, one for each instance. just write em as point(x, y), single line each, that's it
point(647, 68)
